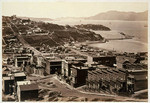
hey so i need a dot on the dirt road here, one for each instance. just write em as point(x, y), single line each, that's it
point(68, 91)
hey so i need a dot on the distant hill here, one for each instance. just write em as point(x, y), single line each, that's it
point(94, 27)
point(118, 15)
point(37, 19)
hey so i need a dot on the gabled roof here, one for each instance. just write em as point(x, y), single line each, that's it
point(123, 59)
point(6, 69)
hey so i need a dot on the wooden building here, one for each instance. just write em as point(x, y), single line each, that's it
point(137, 80)
point(5, 71)
point(106, 79)
point(102, 60)
point(39, 70)
point(66, 67)
point(27, 92)
point(78, 75)
point(8, 83)
point(22, 60)
point(19, 76)
point(53, 66)
point(38, 60)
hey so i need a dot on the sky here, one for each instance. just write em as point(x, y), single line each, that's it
point(68, 9)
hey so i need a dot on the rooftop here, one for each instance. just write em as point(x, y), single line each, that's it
point(81, 67)
point(55, 60)
point(141, 77)
point(122, 59)
point(6, 69)
point(142, 70)
point(8, 78)
point(23, 82)
point(20, 74)
point(29, 87)
point(72, 62)
point(102, 66)
point(22, 57)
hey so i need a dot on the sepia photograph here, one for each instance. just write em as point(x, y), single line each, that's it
point(74, 51)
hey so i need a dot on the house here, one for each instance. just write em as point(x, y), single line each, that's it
point(29, 32)
point(15, 69)
point(39, 70)
point(121, 61)
point(22, 60)
point(136, 66)
point(26, 21)
point(104, 78)
point(8, 84)
point(116, 80)
point(37, 60)
point(67, 63)
point(8, 51)
point(142, 54)
point(37, 30)
point(54, 66)
point(6, 71)
point(137, 80)
point(66, 68)
point(27, 91)
point(14, 17)
point(102, 60)
point(78, 75)
point(18, 83)
point(144, 62)
point(19, 76)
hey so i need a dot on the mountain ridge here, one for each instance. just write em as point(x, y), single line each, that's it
point(109, 15)
point(120, 15)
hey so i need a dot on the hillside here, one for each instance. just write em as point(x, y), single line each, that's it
point(118, 15)
point(93, 27)
point(59, 35)
point(37, 19)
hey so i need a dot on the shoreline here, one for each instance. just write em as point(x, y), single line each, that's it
point(121, 46)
